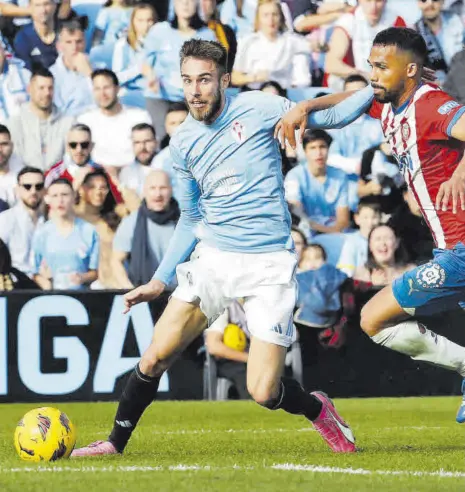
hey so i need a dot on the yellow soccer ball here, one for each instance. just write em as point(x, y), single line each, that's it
point(234, 337)
point(44, 434)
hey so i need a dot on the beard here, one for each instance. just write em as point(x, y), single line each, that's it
point(206, 114)
point(385, 96)
point(33, 204)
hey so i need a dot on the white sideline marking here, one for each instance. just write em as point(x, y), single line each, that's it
point(281, 467)
point(267, 431)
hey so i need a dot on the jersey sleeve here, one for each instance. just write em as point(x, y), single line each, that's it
point(375, 110)
point(436, 115)
point(183, 240)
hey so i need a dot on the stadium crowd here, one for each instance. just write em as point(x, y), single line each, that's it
point(90, 95)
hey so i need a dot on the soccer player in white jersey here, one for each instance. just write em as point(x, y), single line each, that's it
point(426, 130)
point(234, 214)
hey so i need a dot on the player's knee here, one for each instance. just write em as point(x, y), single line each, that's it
point(369, 323)
point(266, 395)
point(154, 362)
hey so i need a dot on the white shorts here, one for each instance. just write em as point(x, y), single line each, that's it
point(214, 278)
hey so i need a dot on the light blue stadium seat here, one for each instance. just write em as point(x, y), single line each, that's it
point(101, 56)
point(91, 10)
point(294, 94)
point(332, 243)
point(298, 94)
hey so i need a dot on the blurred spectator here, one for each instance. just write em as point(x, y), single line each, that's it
point(35, 43)
point(143, 237)
point(3, 205)
point(313, 257)
point(144, 144)
point(72, 70)
point(409, 224)
point(350, 142)
point(239, 15)
point(230, 361)
point(17, 225)
point(443, 33)
point(128, 54)
point(176, 115)
point(387, 258)
point(97, 206)
point(350, 43)
point(10, 165)
point(455, 81)
point(65, 248)
point(354, 253)
point(319, 300)
point(112, 21)
point(39, 129)
point(224, 34)
point(161, 68)
point(77, 161)
point(14, 79)
point(380, 178)
point(111, 123)
point(300, 242)
point(10, 277)
point(314, 14)
point(271, 52)
point(318, 193)
point(272, 87)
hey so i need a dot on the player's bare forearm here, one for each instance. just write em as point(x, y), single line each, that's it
point(453, 190)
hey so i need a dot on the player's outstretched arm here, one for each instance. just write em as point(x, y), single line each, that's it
point(332, 111)
point(181, 244)
point(453, 190)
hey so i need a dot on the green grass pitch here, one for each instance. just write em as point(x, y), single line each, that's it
point(406, 444)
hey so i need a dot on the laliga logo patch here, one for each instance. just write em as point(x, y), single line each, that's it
point(431, 276)
point(405, 131)
point(448, 107)
point(238, 132)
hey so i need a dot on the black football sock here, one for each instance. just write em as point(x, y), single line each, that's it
point(294, 399)
point(139, 392)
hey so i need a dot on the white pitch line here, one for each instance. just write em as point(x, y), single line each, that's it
point(268, 431)
point(279, 467)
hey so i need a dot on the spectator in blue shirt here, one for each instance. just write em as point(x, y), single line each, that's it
point(161, 66)
point(354, 253)
point(14, 79)
point(128, 54)
point(65, 248)
point(72, 70)
point(240, 15)
point(318, 193)
point(35, 43)
point(112, 21)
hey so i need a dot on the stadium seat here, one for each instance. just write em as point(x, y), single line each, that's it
point(298, 94)
point(214, 388)
point(332, 243)
point(91, 10)
point(295, 94)
point(102, 56)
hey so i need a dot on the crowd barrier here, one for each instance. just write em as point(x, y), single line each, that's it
point(70, 346)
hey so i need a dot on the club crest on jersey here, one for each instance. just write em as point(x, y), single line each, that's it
point(431, 276)
point(238, 131)
point(405, 131)
point(448, 107)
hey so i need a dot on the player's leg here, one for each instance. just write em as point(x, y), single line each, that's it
point(384, 318)
point(180, 323)
point(269, 319)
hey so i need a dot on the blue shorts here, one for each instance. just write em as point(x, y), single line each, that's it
point(437, 286)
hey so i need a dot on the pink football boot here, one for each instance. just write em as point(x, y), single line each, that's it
point(332, 427)
point(97, 448)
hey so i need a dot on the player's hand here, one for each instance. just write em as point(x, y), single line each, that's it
point(144, 293)
point(286, 126)
point(374, 188)
point(452, 189)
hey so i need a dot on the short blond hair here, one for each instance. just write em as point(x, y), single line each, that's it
point(282, 20)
